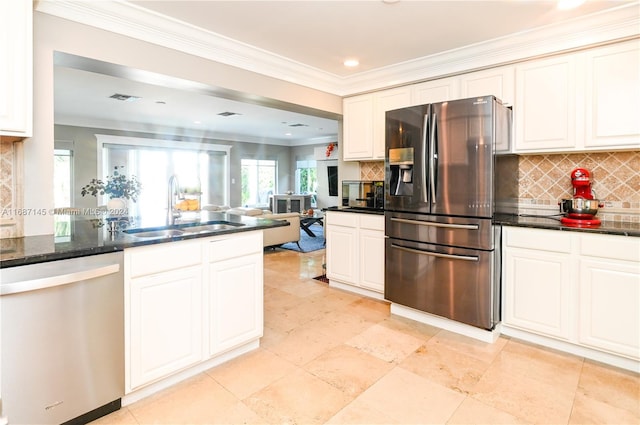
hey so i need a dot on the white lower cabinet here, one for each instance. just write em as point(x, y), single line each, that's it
point(235, 293)
point(537, 291)
point(165, 324)
point(187, 302)
point(576, 287)
point(355, 250)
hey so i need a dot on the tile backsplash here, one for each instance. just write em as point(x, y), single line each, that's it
point(9, 224)
point(373, 170)
point(543, 180)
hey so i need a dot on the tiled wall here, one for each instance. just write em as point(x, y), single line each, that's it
point(372, 170)
point(8, 222)
point(543, 180)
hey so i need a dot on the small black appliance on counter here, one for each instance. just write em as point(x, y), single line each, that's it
point(363, 194)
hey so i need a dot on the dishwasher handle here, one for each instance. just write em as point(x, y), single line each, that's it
point(58, 280)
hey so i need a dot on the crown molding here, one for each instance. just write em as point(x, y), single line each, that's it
point(128, 19)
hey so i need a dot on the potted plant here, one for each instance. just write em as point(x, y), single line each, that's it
point(117, 187)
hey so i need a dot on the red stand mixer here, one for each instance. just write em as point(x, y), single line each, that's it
point(583, 207)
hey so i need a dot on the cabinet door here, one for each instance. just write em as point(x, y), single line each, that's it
point(386, 100)
point(537, 291)
point(235, 302)
point(341, 252)
point(358, 127)
point(498, 82)
point(609, 303)
point(165, 324)
point(613, 96)
point(372, 259)
point(545, 107)
point(16, 68)
point(435, 91)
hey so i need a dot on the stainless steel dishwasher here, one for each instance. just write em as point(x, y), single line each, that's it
point(62, 339)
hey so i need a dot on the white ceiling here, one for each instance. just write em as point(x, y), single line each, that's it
point(322, 34)
point(316, 34)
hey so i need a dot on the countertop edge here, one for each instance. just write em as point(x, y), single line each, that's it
point(121, 242)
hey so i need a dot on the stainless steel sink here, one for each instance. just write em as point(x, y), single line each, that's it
point(206, 228)
point(184, 229)
point(163, 233)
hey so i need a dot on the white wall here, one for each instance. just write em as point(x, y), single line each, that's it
point(54, 34)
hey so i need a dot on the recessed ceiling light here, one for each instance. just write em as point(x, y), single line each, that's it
point(197, 122)
point(351, 63)
point(569, 4)
point(287, 134)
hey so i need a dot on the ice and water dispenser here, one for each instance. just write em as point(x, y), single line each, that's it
point(401, 165)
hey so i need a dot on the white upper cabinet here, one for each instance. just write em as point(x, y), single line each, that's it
point(498, 82)
point(579, 102)
point(576, 102)
point(384, 101)
point(545, 106)
point(16, 69)
point(364, 122)
point(435, 91)
point(612, 96)
point(358, 127)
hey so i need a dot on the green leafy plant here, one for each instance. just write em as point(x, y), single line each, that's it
point(115, 186)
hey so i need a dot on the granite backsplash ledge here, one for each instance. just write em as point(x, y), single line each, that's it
point(543, 180)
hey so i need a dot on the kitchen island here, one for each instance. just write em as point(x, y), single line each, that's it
point(190, 297)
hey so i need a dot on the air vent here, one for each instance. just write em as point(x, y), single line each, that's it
point(228, 114)
point(124, 97)
point(298, 125)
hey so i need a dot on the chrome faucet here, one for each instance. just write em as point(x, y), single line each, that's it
point(173, 193)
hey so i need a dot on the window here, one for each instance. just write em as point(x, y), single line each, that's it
point(307, 179)
point(202, 170)
point(62, 190)
point(259, 178)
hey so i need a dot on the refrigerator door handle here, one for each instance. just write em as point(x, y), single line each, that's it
point(435, 224)
point(425, 134)
point(433, 158)
point(436, 254)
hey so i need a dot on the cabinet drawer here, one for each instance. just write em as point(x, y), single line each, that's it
point(372, 222)
point(613, 247)
point(225, 247)
point(342, 219)
point(163, 257)
point(544, 240)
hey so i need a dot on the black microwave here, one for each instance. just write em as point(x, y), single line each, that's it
point(363, 194)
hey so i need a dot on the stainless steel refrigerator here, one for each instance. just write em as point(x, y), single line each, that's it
point(443, 185)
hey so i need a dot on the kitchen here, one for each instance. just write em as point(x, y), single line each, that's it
point(50, 36)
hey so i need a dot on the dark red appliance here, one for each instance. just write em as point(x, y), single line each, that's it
point(581, 210)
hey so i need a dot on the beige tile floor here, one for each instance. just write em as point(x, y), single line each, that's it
point(332, 357)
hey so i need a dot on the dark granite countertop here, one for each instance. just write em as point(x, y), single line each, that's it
point(359, 210)
point(88, 237)
point(553, 223)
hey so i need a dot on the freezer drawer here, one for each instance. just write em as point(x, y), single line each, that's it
point(456, 283)
point(476, 233)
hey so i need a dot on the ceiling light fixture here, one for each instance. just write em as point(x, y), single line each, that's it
point(569, 4)
point(351, 63)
